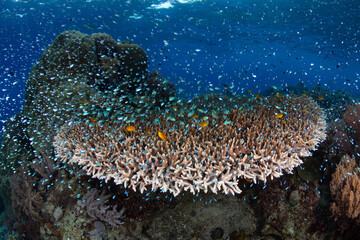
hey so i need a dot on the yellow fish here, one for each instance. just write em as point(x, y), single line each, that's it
point(203, 124)
point(278, 95)
point(162, 135)
point(130, 128)
point(249, 91)
point(93, 119)
point(320, 98)
point(304, 94)
point(195, 116)
point(280, 115)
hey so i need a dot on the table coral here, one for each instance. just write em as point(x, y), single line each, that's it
point(248, 142)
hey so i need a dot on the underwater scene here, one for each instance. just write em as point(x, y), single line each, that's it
point(180, 120)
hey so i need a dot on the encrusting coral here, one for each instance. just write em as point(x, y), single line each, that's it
point(183, 152)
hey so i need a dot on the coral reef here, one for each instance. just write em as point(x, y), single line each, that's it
point(245, 143)
point(352, 119)
point(75, 69)
point(343, 135)
point(345, 190)
point(92, 98)
point(24, 198)
point(189, 220)
point(96, 206)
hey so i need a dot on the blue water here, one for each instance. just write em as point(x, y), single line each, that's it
point(198, 45)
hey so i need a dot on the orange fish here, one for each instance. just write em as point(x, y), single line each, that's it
point(93, 119)
point(195, 116)
point(249, 91)
point(174, 107)
point(304, 94)
point(130, 128)
point(280, 115)
point(320, 98)
point(162, 135)
point(203, 124)
point(278, 95)
point(257, 96)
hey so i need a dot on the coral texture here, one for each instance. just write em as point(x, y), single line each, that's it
point(25, 200)
point(345, 190)
point(95, 203)
point(74, 69)
point(352, 119)
point(344, 135)
point(181, 153)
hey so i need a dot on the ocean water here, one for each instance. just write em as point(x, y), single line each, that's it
point(245, 47)
point(198, 45)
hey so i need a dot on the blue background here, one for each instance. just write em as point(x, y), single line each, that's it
point(198, 45)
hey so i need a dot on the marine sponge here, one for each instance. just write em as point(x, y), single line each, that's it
point(259, 139)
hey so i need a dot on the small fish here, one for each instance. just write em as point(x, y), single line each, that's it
point(174, 107)
point(195, 116)
point(278, 95)
point(280, 115)
point(320, 98)
point(91, 27)
point(283, 121)
point(203, 124)
point(93, 119)
point(130, 128)
point(304, 94)
point(162, 135)
point(257, 96)
point(249, 91)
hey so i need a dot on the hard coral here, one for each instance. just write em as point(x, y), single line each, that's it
point(71, 71)
point(250, 142)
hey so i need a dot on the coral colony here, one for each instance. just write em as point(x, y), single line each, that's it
point(101, 143)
